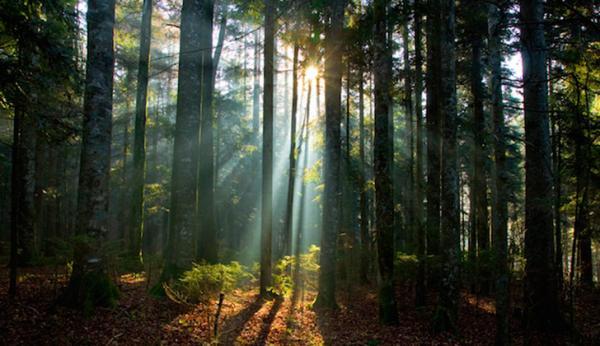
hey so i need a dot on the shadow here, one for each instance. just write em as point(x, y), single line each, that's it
point(268, 321)
point(233, 327)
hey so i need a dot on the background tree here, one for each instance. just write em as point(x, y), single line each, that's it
point(139, 145)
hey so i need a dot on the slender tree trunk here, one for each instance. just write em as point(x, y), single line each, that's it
point(433, 128)
point(581, 226)
point(181, 250)
point(267, 163)
point(256, 88)
point(17, 188)
point(331, 166)
point(421, 292)
point(541, 291)
point(90, 284)
point(409, 237)
point(364, 213)
point(478, 183)
point(139, 144)
point(125, 197)
point(206, 238)
point(27, 232)
point(500, 178)
point(219, 47)
point(300, 232)
point(447, 310)
point(384, 208)
point(289, 219)
point(557, 167)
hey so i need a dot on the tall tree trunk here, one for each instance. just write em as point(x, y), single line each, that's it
point(478, 182)
point(289, 219)
point(541, 291)
point(125, 197)
point(447, 310)
point(180, 251)
point(16, 191)
point(206, 238)
point(433, 128)
point(267, 163)
point(139, 142)
point(556, 135)
point(90, 284)
point(219, 47)
point(301, 216)
point(419, 179)
point(27, 232)
point(331, 165)
point(364, 203)
point(256, 87)
point(409, 237)
point(499, 178)
point(384, 208)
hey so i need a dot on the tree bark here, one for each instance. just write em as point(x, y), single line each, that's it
point(331, 162)
point(420, 230)
point(500, 177)
point(90, 285)
point(478, 182)
point(383, 156)
point(433, 128)
point(300, 233)
point(364, 203)
point(447, 309)
point(409, 236)
point(267, 160)
point(181, 246)
point(206, 238)
point(289, 214)
point(541, 293)
point(139, 142)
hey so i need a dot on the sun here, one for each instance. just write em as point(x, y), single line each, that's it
point(312, 72)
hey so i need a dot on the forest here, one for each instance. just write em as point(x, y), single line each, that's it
point(299, 172)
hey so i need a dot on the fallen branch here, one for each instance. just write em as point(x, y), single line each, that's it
point(219, 306)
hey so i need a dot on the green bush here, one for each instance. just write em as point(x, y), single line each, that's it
point(206, 281)
point(283, 280)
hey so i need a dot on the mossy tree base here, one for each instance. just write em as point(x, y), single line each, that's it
point(88, 290)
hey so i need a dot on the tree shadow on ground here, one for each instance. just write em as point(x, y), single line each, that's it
point(233, 327)
point(268, 321)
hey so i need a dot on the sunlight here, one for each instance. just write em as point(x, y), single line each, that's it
point(312, 72)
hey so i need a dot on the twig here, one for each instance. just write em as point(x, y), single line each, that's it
point(113, 338)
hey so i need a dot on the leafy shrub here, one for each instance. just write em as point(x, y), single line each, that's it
point(283, 279)
point(205, 281)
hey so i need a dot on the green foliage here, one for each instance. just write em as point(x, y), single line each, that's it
point(206, 281)
point(283, 272)
point(282, 278)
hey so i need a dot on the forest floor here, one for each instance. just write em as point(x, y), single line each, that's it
point(139, 319)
